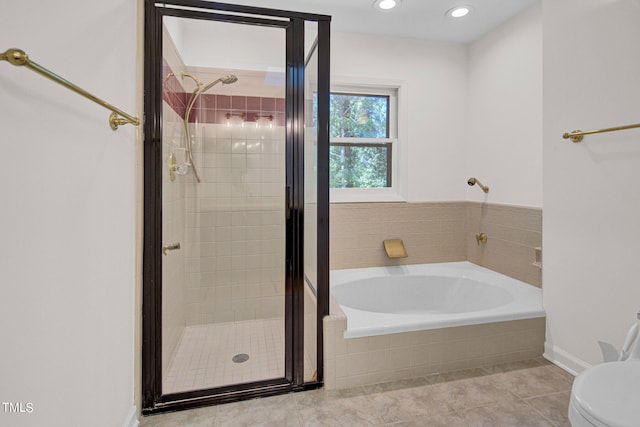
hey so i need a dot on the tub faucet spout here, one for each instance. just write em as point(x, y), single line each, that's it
point(395, 248)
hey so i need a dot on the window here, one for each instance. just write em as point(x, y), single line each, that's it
point(363, 139)
point(360, 151)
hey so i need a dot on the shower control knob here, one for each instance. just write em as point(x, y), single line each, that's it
point(481, 238)
point(170, 247)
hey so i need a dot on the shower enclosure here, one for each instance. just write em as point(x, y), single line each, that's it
point(236, 202)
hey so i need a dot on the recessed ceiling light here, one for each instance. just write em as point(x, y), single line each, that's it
point(459, 11)
point(386, 5)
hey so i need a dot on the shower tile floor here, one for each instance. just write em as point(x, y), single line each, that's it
point(204, 357)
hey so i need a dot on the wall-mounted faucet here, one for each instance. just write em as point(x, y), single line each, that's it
point(395, 248)
point(474, 181)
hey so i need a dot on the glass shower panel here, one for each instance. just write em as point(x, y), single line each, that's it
point(223, 272)
point(310, 217)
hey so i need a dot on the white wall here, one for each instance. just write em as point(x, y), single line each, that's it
point(434, 73)
point(503, 144)
point(467, 107)
point(67, 254)
point(591, 197)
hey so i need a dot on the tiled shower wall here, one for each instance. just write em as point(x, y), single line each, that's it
point(231, 263)
point(236, 229)
point(438, 232)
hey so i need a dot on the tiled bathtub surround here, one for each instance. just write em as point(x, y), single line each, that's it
point(372, 360)
point(513, 234)
point(438, 232)
point(432, 232)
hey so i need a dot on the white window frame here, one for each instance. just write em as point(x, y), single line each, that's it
point(395, 91)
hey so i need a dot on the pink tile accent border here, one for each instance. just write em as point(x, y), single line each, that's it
point(210, 108)
point(214, 108)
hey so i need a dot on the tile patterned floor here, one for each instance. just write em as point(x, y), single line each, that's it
point(520, 394)
point(204, 356)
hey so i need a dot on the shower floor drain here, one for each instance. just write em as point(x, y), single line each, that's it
point(240, 358)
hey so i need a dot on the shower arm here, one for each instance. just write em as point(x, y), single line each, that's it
point(185, 121)
point(199, 90)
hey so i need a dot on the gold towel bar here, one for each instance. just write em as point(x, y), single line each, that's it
point(18, 57)
point(577, 135)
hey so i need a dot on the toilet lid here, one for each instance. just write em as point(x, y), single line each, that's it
point(610, 393)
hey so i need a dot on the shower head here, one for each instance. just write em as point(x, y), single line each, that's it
point(226, 80)
point(474, 181)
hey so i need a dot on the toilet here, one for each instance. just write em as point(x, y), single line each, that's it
point(608, 395)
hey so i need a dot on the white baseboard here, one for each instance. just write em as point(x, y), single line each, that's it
point(132, 418)
point(564, 360)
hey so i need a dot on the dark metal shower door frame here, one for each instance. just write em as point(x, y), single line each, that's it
point(153, 399)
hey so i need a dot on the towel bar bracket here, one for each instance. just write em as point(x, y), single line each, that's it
point(574, 138)
point(578, 135)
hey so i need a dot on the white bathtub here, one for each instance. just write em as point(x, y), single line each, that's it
point(386, 300)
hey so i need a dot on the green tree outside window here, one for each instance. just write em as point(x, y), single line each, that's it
point(365, 163)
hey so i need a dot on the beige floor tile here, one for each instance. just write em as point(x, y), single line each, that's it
point(316, 399)
point(542, 361)
point(409, 404)
point(561, 372)
point(533, 382)
point(473, 392)
point(395, 385)
point(350, 411)
point(554, 407)
point(269, 411)
point(456, 375)
point(511, 414)
point(447, 420)
point(512, 366)
point(201, 417)
point(518, 394)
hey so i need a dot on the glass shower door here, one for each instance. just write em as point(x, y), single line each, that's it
point(223, 226)
point(233, 184)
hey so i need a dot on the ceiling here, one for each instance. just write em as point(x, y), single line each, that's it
point(423, 19)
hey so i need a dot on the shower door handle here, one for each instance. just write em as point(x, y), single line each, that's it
point(170, 247)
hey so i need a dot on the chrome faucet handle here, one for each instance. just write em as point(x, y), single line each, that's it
point(170, 247)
